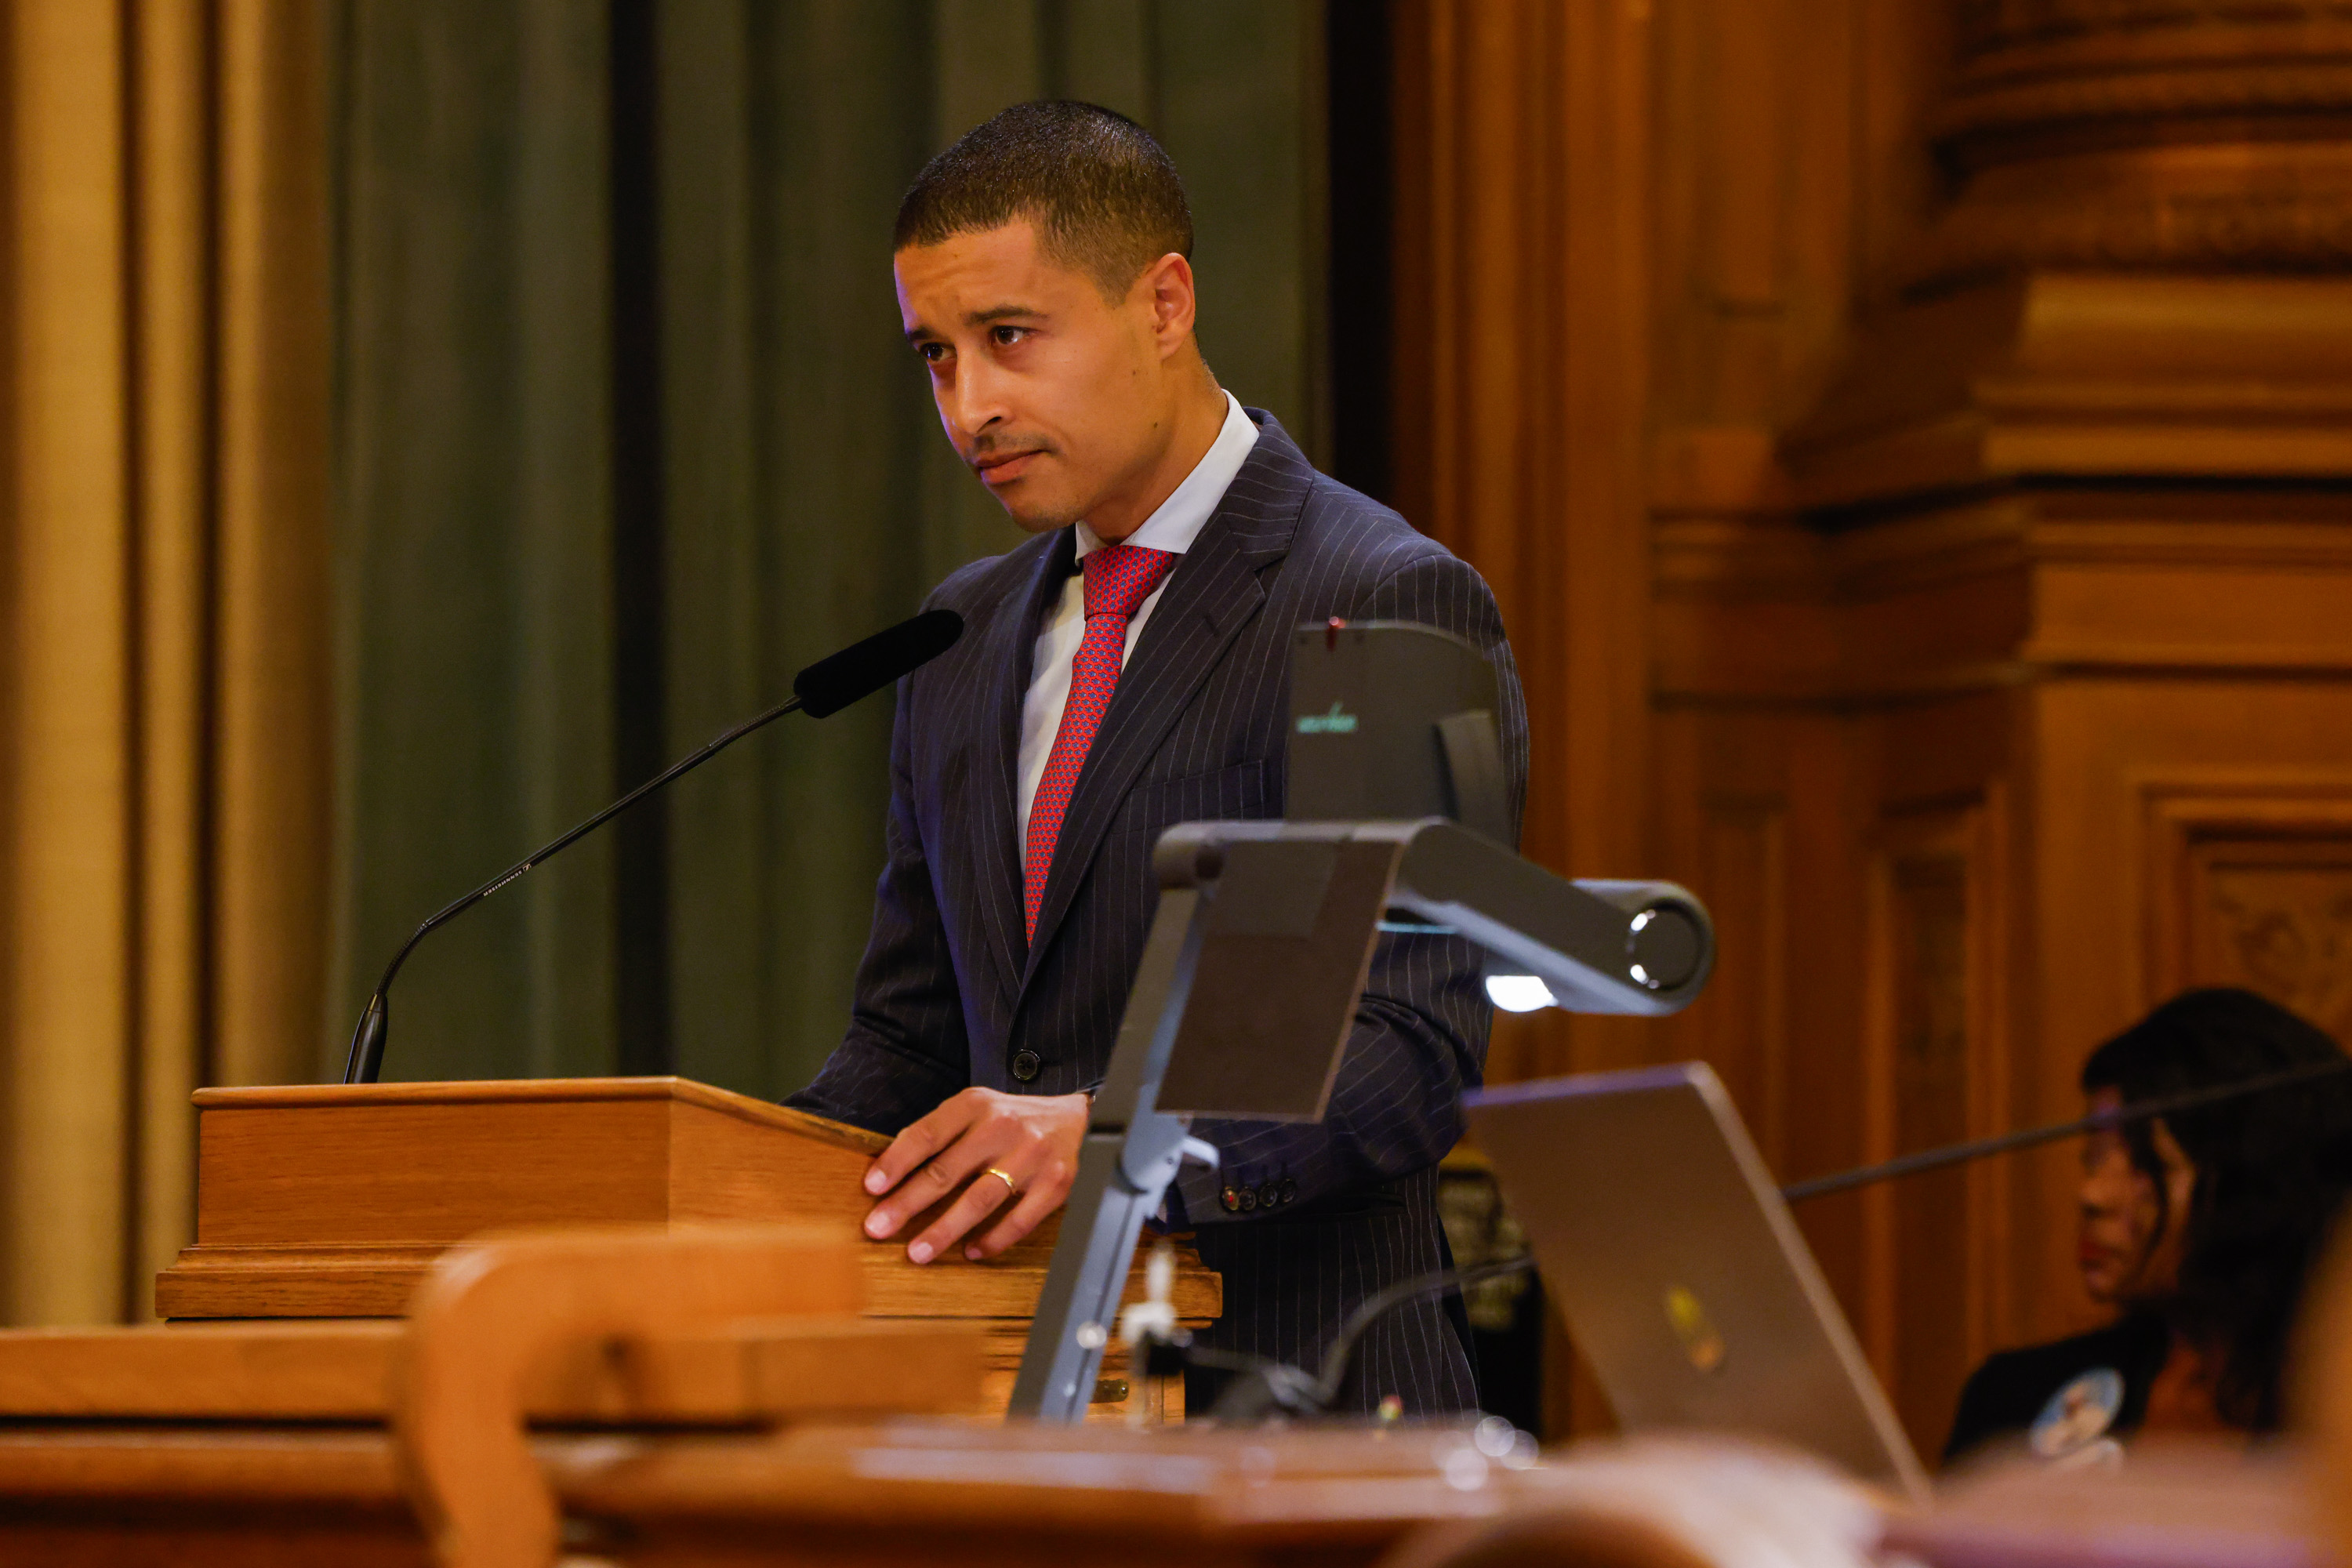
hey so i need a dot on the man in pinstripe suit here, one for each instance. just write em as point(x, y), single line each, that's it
point(1125, 670)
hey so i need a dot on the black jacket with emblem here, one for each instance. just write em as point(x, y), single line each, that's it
point(2005, 1394)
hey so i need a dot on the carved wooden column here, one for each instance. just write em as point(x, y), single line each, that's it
point(2212, 137)
point(2142, 269)
point(2082, 495)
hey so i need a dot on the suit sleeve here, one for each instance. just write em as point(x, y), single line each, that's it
point(905, 1050)
point(1421, 1030)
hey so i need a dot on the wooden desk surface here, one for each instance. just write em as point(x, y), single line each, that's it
point(908, 1490)
point(902, 1491)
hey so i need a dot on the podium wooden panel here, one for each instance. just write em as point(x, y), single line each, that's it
point(331, 1200)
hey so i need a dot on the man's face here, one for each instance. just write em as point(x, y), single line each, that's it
point(1059, 398)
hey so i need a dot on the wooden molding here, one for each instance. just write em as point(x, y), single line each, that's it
point(2095, 375)
point(2210, 138)
point(2293, 829)
point(1937, 1056)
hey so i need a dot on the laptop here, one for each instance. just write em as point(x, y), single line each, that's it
point(1681, 1274)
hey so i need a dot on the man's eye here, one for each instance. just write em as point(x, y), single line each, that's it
point(932, 353)
point(1005, 337)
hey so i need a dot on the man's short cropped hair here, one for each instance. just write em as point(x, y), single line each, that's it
point(1103, 195)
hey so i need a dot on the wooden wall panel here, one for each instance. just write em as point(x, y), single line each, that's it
point(1755, 807)
point(1935, 1074)
point(2157, 800)
point(1521, 367)
point(2058, 539)
point(1743, 863)
point(2275, 916)
point(1997, 507)
point(1998, 525)
point(2255, 889)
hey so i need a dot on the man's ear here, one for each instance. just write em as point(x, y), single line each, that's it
point(1166, 288)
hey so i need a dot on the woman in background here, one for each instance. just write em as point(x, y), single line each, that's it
point(2199, 1227)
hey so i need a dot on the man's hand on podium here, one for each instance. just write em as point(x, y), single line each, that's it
point(997, 1146)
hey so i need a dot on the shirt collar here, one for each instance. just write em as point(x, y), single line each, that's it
point(1189, 507)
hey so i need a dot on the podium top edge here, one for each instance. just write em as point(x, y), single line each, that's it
point(544, 1090)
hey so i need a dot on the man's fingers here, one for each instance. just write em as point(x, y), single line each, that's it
point(1047, 1186)
point(1026, 1215)
point(919, 1142)
point(974, 1147)
point(986, 1195)
point(947, 1153)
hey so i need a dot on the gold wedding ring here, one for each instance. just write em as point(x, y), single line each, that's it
point(1012, 1185)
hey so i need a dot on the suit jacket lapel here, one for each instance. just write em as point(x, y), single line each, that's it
point(1009, 651)
point(1211, 596)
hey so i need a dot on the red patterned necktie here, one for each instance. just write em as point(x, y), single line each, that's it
point(1119, 578)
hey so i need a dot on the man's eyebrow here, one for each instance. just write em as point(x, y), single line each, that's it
point(920, 333)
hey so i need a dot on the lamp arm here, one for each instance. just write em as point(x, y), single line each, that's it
point(1641, 948)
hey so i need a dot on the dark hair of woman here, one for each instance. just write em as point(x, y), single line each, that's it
point(2271, 1170)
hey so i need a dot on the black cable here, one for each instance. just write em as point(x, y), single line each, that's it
point(1281, 1386)
point(1977, 1149)
point(1335, 1359)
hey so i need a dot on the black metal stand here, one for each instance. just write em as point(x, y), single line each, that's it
point(1130, 1155)
point(1259, 952)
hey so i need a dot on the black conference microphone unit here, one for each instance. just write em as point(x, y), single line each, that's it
point(824, 689)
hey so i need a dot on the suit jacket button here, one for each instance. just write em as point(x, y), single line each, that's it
point(1027, 1064)
point(1269, 1194)
point(1233, 1201)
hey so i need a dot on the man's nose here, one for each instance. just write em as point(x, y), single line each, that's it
point(975, 399)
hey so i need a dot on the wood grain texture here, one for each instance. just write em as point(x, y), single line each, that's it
point(921, 1492)
point(747, 1370)
point(2035, 576)
point(1521, 370)
point(328, 1202)
point(253, 1372)
point(491, 1311)
point(2028, 582)
point(909, 1493)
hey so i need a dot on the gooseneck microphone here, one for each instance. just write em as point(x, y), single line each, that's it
point(821, 690)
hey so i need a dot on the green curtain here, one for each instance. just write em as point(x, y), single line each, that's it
point(486, 682)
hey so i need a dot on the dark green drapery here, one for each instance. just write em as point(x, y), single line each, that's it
point(628, 434)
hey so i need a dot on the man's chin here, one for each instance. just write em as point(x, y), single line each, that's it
point(1035, 516)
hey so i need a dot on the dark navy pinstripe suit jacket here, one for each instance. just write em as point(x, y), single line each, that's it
point(948, 991)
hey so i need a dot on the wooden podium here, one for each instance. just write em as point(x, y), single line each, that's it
point(333, 1200)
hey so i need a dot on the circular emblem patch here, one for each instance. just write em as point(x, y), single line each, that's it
point(2079, 1414)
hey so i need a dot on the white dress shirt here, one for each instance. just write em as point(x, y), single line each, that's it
point(1172, 527)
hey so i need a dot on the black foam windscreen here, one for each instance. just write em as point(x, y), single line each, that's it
point(833, 683)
